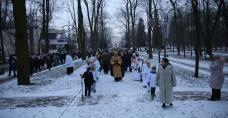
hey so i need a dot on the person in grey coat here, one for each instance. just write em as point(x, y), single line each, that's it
point(166, 80)
point(217, 77)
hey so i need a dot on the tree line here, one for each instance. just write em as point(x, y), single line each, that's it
point(196, 26)
point(29, 18)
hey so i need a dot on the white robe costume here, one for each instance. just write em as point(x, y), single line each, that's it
point(135, 66)
point(145, 74)
point(69, 61)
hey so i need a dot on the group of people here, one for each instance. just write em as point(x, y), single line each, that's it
point(164, 78)
point(120, 61)
point(41, 62)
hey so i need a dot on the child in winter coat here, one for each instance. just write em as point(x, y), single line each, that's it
point(88, 80)
point(151, 81)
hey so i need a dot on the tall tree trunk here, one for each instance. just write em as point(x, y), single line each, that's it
point(3, 21)
point(31, 42)
point(102, 28)
point(197, 45)
point(216, 23)
point(208, 37)
point(46, 26)
point(42, 36)
point(81, 32)
point(150, 30)
point(128, 25)
point(159, 55)
point(133, 6)
point(176, 32)
point(22, 49)
point(1, 36)
point(225, 15)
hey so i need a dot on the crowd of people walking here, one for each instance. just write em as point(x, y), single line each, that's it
point(118, 61)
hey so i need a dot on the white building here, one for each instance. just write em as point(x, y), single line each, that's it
point(57, 41)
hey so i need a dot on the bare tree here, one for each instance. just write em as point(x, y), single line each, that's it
point(133, 7)
point(22, 50)
point(47, 20)
point(125, 14)
point(32, 25)
point(1, 36)
point(176, 35)
point(225, 15)
point(3, 17)
point(71, 7)
point(195, 8)
point(81, 32)
point(150, 29)
point(93, 20)
point(48, 7)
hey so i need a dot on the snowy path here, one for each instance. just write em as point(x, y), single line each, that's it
point(124, 99)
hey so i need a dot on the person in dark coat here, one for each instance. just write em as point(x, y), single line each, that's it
point(100, 58)
point(90, 53)
point(42, 62)
point(49, 62)
point(36, 63)
point(111, 69)
point(12, 65)
point(128, 60)
point(88, 80)
point(123, 62)
point(217, 77)
point(31, 65)
point(106, 62)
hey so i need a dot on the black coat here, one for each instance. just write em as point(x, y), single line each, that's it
point(88, 77)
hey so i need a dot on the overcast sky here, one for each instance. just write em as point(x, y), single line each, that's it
point(62, 16)
point(112, 7)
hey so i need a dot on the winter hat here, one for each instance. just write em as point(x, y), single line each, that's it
point(153, 69)
point(89, 67)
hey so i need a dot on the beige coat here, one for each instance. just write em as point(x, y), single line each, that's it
point(116, 62)
point(166, 80)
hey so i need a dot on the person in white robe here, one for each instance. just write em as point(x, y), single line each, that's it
point(69, 63)
point(135, 66)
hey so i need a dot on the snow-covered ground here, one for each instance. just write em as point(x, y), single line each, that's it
point(59, 97)
point(189, 64)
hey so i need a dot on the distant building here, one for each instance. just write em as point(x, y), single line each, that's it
point(9, 41)
point(116, 42)
point(57, 41)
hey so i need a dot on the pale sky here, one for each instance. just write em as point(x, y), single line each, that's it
point(62, 17)
point(112, 7)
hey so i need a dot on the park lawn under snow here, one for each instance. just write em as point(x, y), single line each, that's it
point(59, 98)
